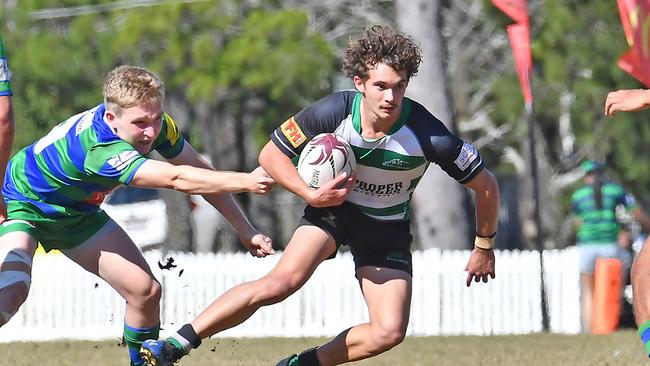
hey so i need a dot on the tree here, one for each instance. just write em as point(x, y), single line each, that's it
point(574, 60)
point(439, 202)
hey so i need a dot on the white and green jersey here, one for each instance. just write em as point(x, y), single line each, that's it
point(5, 74)
point(388, 168)
point(70, 170)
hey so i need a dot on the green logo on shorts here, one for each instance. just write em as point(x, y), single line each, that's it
point(397, 256)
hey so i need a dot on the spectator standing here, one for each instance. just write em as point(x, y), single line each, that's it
point(594, 209)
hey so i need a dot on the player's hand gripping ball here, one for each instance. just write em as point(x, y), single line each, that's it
point(325, 157)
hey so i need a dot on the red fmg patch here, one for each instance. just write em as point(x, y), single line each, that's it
point(97, 198)
point(292, 131)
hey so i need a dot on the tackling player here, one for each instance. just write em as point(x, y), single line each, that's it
point(53, 189)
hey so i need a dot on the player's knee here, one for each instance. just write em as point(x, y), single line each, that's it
point(147, 294)
point(153, 294)
point(278, 287)
point(385, 338)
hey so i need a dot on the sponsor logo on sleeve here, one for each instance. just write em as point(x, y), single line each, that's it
point(467, 155)
point(292, 132)
point(4, 70)
point(123, 159)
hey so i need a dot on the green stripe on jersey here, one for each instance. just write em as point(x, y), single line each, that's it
point(386, 159)
point(18, 165)
point(399, 209)
point(606, 190)
point(598, 225)
point(401, 120)
point(414, 183)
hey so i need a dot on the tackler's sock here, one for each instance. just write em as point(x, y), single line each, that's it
point(134, 338)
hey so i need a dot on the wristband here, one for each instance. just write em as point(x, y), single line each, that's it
point(483, 242)
point(487, 236)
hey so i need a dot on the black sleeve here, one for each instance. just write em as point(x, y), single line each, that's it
point(325, 115)
point(459, 159)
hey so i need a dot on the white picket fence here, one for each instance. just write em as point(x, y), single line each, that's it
point(65, 302)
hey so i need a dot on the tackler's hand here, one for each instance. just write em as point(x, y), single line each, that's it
point(258, 244)
point(260, 181)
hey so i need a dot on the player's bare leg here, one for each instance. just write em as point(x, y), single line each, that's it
point(308, 247)
point(113, 256)
point(641, 284)
point(586, 300)
point(388, 295)
point(641, 293)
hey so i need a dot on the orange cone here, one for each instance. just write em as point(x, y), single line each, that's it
point(607, 295)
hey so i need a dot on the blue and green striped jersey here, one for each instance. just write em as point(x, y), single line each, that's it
point(70, 170)
point(599, 226)
point(5, 74)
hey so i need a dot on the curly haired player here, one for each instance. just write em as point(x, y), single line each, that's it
point(394, 139)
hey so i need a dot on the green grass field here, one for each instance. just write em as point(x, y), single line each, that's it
point(621, 348)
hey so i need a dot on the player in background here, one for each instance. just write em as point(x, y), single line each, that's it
point(6, 121)
point(53, 189)
point(633, 100)
point(394, 138)
point(593, 207)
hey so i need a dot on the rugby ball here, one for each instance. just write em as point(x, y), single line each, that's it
point(324, 158)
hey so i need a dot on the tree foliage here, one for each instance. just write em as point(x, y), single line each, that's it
point(575, 48)
point(238, 68)
point(201, 50)
point(234, 70)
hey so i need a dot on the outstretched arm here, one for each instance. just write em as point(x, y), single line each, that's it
point(190, 173)
point(481, 261)
point(627, 100)
point(193, 180)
